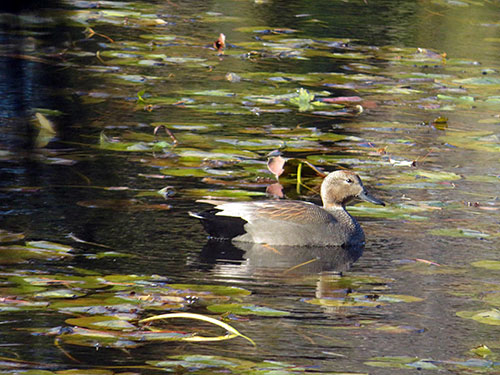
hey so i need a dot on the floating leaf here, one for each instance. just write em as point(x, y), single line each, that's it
point(59, 293)
point(402, 362)
point(33, 250)
point(102, 322)
point(344, 302)
point(491, 317)
point(459, 232)
point(219, 290)
point(395, 361)
point(488, 264)
point(479, 141)
point(6, 236)
point(224, 193)
point(396, 212)
point(482, 351)
point(110, 254)
point(52, 246)
point(45, 124)
point(363, 300)
point(205, 318)
point(245, 309)
point(219, 364)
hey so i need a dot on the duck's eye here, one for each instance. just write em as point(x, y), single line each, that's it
point(348, 180)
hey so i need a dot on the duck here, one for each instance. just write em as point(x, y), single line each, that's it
point(292, 222)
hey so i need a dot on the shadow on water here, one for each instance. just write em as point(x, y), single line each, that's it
point(255, 258)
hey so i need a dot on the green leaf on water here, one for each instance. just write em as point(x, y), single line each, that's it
point(110, 254)
point(488, 264)
point(458, 232)
point(224, 193)
point(6, 236)
point(398, 298)
point(304, 100)
point(212, 364)
point(59, 293)
point(403, 363)
point(219, 290)
point(51, 246)
point(491, 317)
point(344, 302)
point(391, 362)
point(111, 144)
point(482, 351)
point(395, 212)
point(140, 98)
point(33, 250)
point(83, 372)
point(492, 298)
point(197, 362)
point(102, 322)
point(363, 300)
point(188, 172)
point(478, 141)
point(211, 93)
point(45, 124)
point(245, 309)
point(478, 81)
point(434, 176)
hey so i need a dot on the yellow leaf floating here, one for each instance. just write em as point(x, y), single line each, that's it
point(204, 318)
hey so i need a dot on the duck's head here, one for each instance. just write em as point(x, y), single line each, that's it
point(341, 187)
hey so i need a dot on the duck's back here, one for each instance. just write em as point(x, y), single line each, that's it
point(293, 223)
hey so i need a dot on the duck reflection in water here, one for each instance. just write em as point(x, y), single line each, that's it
point(290, 233)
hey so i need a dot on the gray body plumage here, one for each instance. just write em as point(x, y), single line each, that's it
point(293, 223)
point(297, 222)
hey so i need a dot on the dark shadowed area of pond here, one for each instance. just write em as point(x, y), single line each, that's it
point(118, 117)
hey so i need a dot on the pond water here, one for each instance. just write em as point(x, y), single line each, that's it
point(117, 117)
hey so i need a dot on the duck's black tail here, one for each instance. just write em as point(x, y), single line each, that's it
point(220, 227)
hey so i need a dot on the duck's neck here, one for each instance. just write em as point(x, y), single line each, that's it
point(333, 206)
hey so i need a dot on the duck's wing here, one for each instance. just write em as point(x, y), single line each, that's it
point(281, 211)
point(294, 223)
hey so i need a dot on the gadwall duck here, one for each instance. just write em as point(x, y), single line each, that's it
point(293, 223)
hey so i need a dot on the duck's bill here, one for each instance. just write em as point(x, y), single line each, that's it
point(369, 198)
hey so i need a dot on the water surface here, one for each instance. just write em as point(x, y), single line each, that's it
point(426, 142)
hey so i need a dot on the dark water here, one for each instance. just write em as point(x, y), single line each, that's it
point(43, 191)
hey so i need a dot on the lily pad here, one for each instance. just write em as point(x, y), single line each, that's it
point(396, 212)
point(491, 317)
point(459, 232)
point(219, 290)
point(246, 309)
point(102, 322)
point(363, 300)
point(59, 293)
point(403, 362)
point(225, 365)
point(479, 140)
